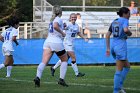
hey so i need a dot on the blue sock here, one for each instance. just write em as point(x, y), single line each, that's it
point(117, 79)
point(124, 74)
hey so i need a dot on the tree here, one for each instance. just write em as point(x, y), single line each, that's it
point(7, 9)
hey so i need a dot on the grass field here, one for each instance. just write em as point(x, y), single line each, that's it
point(98, 79)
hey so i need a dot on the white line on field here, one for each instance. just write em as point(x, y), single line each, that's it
point(75, 84)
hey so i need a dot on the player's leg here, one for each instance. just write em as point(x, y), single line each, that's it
point(63, 68)
point(53, 68)
point(47, 54)
point(6, 62)
point(9, 67)
point(74, 65)
point(117, 75)
point(125, 71)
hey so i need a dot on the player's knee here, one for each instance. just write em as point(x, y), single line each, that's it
point(60, 53)
point(73, 62)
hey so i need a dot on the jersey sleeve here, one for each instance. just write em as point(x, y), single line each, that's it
point(125, 25)
point(110, 28)
point(15, 32)
point(3, 33)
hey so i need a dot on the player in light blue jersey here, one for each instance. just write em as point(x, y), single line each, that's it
point(8, 37)
point(119, 29)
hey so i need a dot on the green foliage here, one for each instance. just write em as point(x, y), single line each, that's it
point(20, 8)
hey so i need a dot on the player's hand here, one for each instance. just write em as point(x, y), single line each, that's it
point(107, 52)
point(17, 44)
point(63, 34)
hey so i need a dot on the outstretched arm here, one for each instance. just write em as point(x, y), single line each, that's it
point(79, 33)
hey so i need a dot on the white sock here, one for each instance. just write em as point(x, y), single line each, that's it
point(57, 64)
point(63, 69)
point(9, 68)
point(40, 69)
point(75, 68)
point(2, 66)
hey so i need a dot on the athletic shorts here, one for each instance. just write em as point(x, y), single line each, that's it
point(6, 52)
point(119, 52)
point(68, 47)
point(53, 46)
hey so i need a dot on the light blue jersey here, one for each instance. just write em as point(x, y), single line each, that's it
point(119, 45)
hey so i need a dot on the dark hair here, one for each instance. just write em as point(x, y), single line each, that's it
point(123, 10)
point(12, 21)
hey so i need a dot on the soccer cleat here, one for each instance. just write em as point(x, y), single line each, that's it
point(62, 82)
point(7, 76)
point(52, 71)
point(37, 82)
point(80, 74)
point(122, 91)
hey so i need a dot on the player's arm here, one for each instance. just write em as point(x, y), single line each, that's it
point(79, 34)
point(1, 38)
point(15, 40)
point(56, 27)
point(126, 30)
point(108, 41)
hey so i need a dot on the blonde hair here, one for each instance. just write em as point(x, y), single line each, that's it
point(57, 10)
point(71, 15)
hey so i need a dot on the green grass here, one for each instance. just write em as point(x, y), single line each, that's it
point(98, 79)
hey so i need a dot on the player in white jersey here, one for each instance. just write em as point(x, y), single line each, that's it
point(52, 44)
point(8, 37)
point(71, 30)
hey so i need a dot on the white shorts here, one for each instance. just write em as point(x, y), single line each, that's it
point(68, 47)
point(6, 52)
point(53, 46)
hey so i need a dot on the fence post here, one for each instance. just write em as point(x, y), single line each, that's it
point(31, 28)
point(83, 9)
point(18, 33)
point(25, 31)
point(122, 3)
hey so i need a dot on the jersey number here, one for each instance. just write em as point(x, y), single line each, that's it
point(73, 35)
point(116, 31)
point(7, 35)
point(51, 27)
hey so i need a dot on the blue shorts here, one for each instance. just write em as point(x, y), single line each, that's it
point(119, 52)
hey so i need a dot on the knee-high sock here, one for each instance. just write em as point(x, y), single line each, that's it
point(75, 68)
point(57, 64)
point(9, 68)
point(63, 69)
point(40, 69)
point(117, 79)
point(2, 66)
point(124, 74)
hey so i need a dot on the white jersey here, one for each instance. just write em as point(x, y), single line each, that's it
point(8, 35)
point(71, 32)
point(54, 36)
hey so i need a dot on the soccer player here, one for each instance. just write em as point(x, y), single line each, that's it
point(8, 37)
point(119, 29)
point(52, 44)
point(71, 30)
